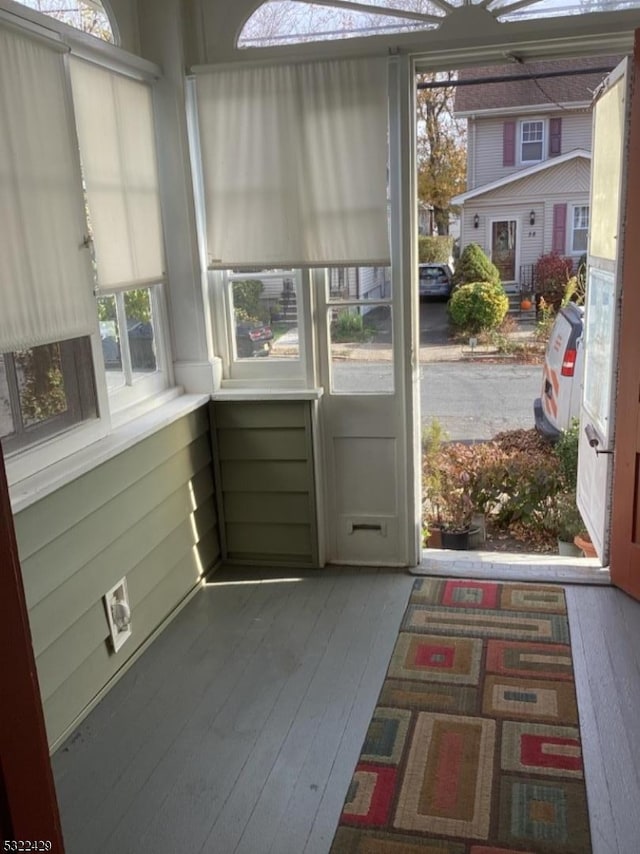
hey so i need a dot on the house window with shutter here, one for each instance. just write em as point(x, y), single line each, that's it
point(532, 141)
point(580, 228)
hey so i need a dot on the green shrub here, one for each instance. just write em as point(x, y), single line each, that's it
point(566, 450)
point(478, 306)
point(247, 303)
point(349, 327)
point(474, 266)
point(551, 274)
point(434, 250)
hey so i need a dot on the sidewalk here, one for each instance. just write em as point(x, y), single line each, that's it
point(287, 345)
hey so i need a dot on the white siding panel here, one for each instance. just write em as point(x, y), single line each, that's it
point(576, 131)
point(486, 149)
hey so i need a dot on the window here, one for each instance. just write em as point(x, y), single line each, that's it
point(359, 319)
point(532, 141)
point(88, 16)
point(130, 345)
point(265, 314)
point(281, 22)
point(45, 390)
point(580, 228)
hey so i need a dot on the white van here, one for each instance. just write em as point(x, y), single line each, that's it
point(561, 391)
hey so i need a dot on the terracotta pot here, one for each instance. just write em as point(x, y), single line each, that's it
point(435, 538)
point(585, 545)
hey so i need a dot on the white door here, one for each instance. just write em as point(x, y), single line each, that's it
point(367, 328)
point(602, 315)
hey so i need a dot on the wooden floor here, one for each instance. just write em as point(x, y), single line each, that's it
point(238, 730)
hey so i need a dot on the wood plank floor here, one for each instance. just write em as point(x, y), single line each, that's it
point(238, 730)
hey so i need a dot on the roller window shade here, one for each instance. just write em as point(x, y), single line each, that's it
point(114, 116)
point(294, 161)
point(44, 268)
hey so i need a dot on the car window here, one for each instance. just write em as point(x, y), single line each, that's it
point(433, 273)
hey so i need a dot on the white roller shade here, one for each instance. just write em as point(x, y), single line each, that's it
point(45, 272)
point(114, 115)
point(294, 161)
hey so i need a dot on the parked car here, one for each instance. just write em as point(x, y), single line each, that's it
point(561, 392)
point(253, 339)
point(435, 280)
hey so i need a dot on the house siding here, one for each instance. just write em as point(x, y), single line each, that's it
point(266, 483)
point(567, 182)
point(147, 514)
point(487, 165)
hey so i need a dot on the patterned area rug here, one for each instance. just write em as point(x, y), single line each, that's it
point(474, 746)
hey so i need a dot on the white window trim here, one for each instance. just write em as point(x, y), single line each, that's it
point(531, 120)
point(269, 371)
point(34, 458)
point(145, 386)
point(572, 206)
point(28, 489)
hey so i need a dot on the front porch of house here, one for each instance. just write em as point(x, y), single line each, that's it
point(239, 728)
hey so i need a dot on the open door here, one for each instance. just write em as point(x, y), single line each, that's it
point(625, 524)
point(609, 409)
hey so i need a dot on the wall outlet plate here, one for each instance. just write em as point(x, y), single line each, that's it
point(116, 603)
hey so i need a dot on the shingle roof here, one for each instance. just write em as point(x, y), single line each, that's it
point(524, 92)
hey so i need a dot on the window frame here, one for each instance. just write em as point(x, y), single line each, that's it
point(137, 389)
point(543, 125)
point(332, 304)
point(80, 393)
point(574, 208)
point(35, 459)
point(260, 372)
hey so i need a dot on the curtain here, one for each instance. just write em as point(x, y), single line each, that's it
point(294, 162)
point(114, 117)
point(45, 270)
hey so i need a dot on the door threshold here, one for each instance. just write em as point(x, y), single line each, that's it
point(511, 566)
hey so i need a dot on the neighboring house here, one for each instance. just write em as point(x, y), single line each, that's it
point(528, 162)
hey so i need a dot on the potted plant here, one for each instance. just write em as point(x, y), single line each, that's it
point(582, 541)
point(564, 520)
point(455, 506)
point(433, 437)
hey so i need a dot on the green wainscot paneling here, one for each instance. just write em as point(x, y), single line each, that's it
point(148, 514)
point(265, 481)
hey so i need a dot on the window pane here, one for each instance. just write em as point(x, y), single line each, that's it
point(265, 312)
point(361, 350)
point(41, 386)
point(110, 337)
point(85, 15)
point(532, 137)
point(359, 283)
point(6, 417)
point(580, 228)
point(44, 391)
point(137, 306)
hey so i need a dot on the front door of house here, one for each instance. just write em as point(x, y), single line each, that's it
point(609, 447)
point(503, 247)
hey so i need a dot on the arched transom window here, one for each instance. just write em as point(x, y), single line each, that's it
point(283, 22)
point(89, 16)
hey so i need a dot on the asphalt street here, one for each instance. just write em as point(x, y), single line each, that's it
point(477, 400)
point(472, 400)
